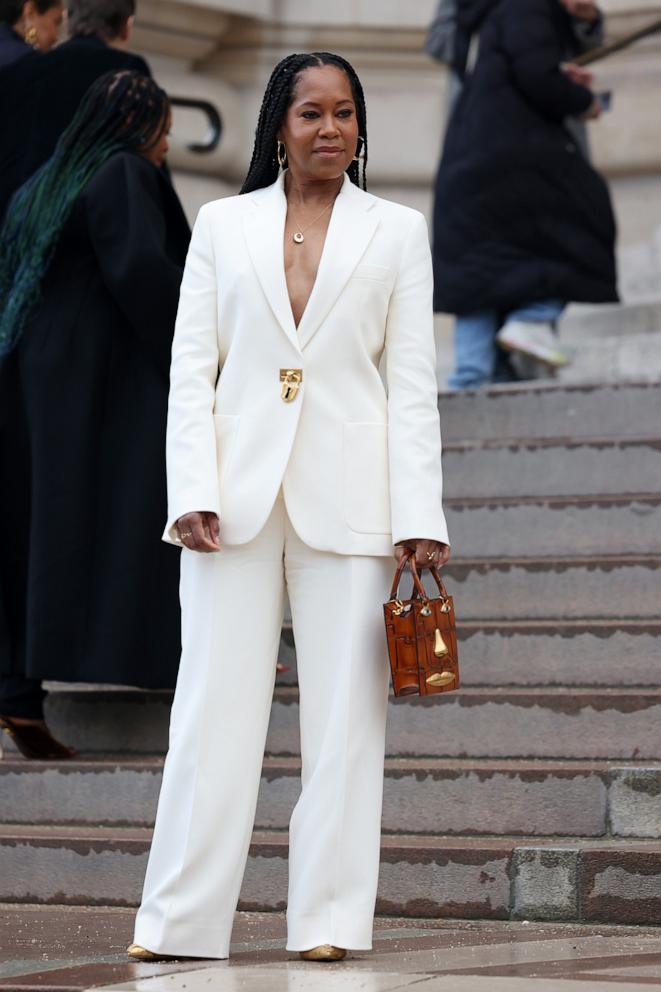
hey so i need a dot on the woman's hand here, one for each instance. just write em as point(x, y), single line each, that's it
point(583, 77)
point(584, 10)
point(199, 531)
point(578, 74)
point(426, 552)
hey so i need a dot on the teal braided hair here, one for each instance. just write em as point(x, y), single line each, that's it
point(122, 111)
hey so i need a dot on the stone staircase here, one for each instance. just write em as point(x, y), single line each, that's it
point(615, 342)
point(534, 792)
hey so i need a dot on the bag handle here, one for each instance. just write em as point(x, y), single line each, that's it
point(400, 570)
point(418, 588)
point(439, 581)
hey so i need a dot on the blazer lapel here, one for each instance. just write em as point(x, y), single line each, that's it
point(264, 226)
point(352, 225)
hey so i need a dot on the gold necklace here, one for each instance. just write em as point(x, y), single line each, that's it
point(297, 237)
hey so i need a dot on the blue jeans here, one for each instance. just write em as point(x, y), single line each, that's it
point(475, 340)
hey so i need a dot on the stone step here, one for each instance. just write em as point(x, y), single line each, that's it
point(562, 588)
point(547, 409)
point(538, 798)
point(613, 724)
point(612, 881)
point(552, 466)
point(622, 321)
point(574, 723)
point(535, 526)
point(612, 343)
point(612, 358)
point(535, 653)
point(615, 653)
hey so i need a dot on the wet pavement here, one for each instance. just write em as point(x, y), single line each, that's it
point(71, 949)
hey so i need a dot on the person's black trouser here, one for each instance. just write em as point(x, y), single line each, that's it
point(21, 697)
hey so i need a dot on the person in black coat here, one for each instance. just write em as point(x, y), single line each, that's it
point(443, 44)
point(93, 362)
point(450, 42)
point(26, 26)
point(522, 223)
point(40, 95)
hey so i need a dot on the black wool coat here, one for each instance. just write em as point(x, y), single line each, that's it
point(39, 97)
point(102, 589)
point(519, 214)
point(12, 46)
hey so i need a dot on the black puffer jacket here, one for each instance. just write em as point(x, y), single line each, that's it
point(471, 14)
point(519, 215)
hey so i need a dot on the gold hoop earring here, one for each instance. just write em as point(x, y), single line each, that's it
point(31, 36)
point(360, 154)
point(282, 155)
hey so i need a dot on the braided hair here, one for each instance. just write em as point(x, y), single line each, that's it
point(121, 111)
point(278, 96)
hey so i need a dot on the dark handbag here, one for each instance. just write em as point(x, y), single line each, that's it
point(422, 637)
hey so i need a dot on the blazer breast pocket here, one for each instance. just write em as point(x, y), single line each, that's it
point(378, 273)
point(226, 427)
point(366, 490)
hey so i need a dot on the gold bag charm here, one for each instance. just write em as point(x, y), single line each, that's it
point(440, 647)
point(440, 651)
point(291, 380)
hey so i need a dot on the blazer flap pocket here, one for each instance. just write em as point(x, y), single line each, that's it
point(366, 478)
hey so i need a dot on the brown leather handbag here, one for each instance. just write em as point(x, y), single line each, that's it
point(422, 636)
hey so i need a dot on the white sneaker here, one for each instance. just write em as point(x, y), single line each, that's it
point(532, 338)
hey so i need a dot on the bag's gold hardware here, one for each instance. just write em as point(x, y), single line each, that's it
point(291, 380)
point(440, 678)
point(440, 647)
point(398, 608)
point(445, 608)
point(426, 610)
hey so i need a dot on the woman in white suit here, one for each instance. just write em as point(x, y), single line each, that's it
point(290, 466)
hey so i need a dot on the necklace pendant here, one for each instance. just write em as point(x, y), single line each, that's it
point(298, 238)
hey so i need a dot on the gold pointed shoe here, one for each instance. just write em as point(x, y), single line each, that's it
point(139, 953)
point(325, 952)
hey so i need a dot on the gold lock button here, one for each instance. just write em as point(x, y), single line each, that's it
point(291, 379)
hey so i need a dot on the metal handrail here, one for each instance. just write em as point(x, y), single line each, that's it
point(596, 54)
point(214, 120)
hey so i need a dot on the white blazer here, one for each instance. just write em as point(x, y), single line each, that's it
point(360, 465)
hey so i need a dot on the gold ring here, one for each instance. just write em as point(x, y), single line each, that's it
point(186, 533)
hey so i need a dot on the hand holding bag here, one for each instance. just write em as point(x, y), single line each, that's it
point(422, 636)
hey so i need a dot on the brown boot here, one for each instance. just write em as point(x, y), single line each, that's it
point(34, 740)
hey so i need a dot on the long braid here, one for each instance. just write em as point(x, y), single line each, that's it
point(263, 170)
point(122, 111)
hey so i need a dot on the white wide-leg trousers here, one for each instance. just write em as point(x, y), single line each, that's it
point(232, 606)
